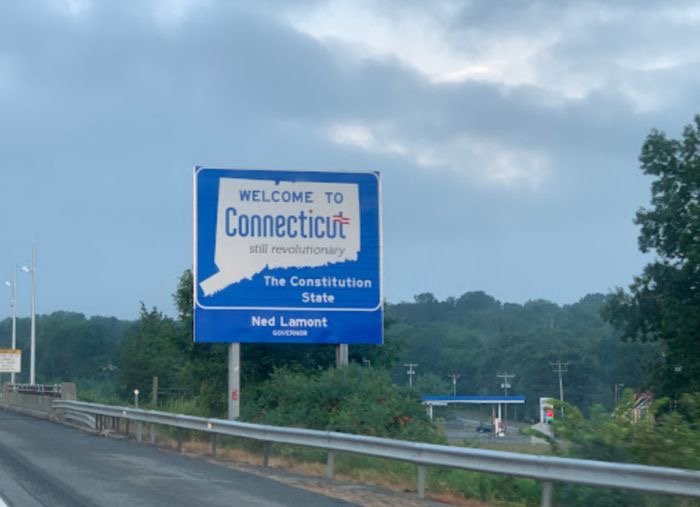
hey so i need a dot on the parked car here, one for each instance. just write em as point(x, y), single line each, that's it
point(484, 428)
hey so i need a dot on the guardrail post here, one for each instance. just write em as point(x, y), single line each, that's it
point(152, 430)
point(546, 494)
point(179, 440)
point(330, 462)
point(128, 423)
point(139, 431)
point(213, 445)
point(421, 481)
point(266, 454)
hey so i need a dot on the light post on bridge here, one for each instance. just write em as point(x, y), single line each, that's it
point(32, 359)
point(13, 306)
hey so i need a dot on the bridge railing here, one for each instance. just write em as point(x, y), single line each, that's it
point(548, 469)
point(53, 390)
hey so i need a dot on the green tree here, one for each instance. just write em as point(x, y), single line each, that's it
point(659, 438)
point(663, 303)
point(148, 351)
point(477, 336)
point(74, 347)
point(431, 384)
point(205, 363)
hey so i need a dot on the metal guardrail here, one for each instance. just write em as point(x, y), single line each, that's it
point(80, 417)
point(549, 469)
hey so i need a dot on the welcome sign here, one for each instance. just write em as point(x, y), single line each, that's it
point(285, 256)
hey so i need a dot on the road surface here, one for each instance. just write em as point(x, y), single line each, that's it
point(48, 464)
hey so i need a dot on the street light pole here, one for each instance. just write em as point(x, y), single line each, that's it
point(13, 305)
point(32, 360)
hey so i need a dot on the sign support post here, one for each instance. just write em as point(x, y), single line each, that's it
point(154, 393)
point(234, 380)
point(342, 355)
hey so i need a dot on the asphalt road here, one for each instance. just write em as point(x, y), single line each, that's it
point(48, 464)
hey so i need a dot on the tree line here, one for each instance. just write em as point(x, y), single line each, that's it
point(474, 336)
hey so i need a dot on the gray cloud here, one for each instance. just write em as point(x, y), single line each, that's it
point(104, 113)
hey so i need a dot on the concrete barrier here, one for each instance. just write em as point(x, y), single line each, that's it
point(36, 399)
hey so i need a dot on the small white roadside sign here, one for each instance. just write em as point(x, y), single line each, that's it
point(10, 361)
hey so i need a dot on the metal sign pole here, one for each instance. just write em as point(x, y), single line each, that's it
point(234, 380)
point(342, 355)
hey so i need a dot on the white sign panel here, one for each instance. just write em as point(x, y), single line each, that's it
point(10, 360)
point(251, 211)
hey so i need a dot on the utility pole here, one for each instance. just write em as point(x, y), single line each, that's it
point(410, 372)
point(618, 391)
point(454, 378)
point(505, 385)
point(560, 368)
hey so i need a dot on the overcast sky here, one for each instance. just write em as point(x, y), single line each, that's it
point(507, 134)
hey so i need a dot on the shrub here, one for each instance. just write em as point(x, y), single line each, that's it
point(350, 400)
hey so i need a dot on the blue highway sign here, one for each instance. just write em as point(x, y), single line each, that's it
point(287, 256)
